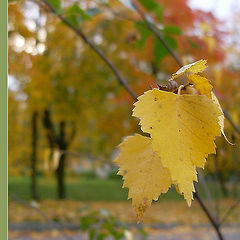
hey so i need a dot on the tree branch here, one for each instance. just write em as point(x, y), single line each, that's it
point(158, 35)
point(229, 118)
point(99, 52)
point(214, 223)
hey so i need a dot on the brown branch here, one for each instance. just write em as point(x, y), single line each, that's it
point(158, 35)
point(229, 118)
point(214, 223)
point(99, 52)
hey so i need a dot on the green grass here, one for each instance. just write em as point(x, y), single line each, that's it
point(81, 189)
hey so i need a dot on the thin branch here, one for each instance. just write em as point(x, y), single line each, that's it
point(100, 53)
point(158, 35)
point(214, 223)
point(229, 118)
point(229, 211)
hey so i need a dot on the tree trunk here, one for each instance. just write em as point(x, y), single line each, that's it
point(34, 156)
point(60, 172)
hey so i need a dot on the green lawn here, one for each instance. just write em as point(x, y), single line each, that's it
point(81, 189)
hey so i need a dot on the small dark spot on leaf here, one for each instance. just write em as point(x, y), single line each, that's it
point(125, 171)
point(150, 127)
point(155, 99)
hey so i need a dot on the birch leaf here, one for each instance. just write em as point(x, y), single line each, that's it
point(183, 129)
point(202, 84)
point(195, 67)
point(142, 172)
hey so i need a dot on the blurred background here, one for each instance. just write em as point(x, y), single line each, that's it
point(67, 113)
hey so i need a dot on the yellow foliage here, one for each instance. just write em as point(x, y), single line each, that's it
point(183, 129)
point(142, 171)
point(202, 84)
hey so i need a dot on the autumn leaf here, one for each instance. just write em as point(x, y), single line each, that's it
point(202, 84)
point(183, 129)
point(142, 171)
point(195, 67)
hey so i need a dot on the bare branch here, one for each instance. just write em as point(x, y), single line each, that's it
point(214, 223)
point(100, 53)
point(229, 118)
point(158, 35)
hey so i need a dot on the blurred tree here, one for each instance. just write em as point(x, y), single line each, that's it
point(57, 72)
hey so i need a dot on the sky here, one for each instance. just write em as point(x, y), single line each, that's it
point(222, 8)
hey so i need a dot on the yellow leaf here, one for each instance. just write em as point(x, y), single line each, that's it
point(183, 129)
point(202, 84)
point(195, 67)
point(142, 172)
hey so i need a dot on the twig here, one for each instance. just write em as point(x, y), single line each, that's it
point(229, 118)
point(214, 223)
point(158, 35)
point(229, 211)
point(100, 53)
